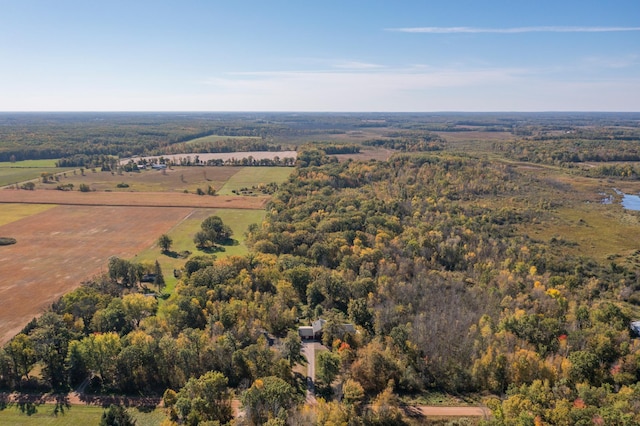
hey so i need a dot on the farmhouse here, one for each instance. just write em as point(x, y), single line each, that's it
point(314, 331)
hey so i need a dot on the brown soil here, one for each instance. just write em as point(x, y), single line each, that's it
point(131, 199)
point(59, 248)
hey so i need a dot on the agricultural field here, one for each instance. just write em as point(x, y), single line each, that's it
point(59, 248)
point(218, 138)
point(175, 179)
point(13, 173)
point(254, 176)
point(65, 237)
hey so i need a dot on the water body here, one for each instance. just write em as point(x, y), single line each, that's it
point(629, 201)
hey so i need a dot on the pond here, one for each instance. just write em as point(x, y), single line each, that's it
point(629, 201)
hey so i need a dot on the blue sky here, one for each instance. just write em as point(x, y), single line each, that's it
point(235, 55)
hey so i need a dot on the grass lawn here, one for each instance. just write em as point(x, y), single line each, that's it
point(75, 415)
point(13, 212)
point(250, 176)
point(182, 236)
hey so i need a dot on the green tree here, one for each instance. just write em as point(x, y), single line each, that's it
point(116, 415)
point(268, 398)
point(100, 351)
point(205, 399)
point(165, 242)
point(159, 277)
point(22, 352)
point(327, 367)
point(138, 306)
point(215, 230)
point(292, 347)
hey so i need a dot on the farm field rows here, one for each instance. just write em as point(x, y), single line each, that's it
point(59, 248)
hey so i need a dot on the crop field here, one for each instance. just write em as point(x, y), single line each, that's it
point(13, 212)
point(65, 237)
point(59, 248)
point(175, 179)
point(217, 138)
point(134, 199)
point(250, 176)
point(27, 164)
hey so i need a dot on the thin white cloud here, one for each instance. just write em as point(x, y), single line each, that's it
point(356, 65)
point(516, 30)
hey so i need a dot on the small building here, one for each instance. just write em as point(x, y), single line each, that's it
point(306, 332)
point(635, 327)
point(314, 331)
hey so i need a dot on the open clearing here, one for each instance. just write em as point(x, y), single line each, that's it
point(182, 239)
point(250, 176)
point(59, 248)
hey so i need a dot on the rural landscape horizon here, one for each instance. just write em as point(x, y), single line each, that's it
point(333, 213)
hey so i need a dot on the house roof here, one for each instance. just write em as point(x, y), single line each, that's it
point(305, 330)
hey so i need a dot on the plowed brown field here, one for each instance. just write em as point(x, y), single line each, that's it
point(59, 248)
point(130, 199)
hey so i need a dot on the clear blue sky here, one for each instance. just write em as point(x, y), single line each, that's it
point(365, 55)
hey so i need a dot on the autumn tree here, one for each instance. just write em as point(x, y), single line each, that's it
point(165, 242)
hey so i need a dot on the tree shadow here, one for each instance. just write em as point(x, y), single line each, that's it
point(212, 249)
point(171, 253)
point(4, 400)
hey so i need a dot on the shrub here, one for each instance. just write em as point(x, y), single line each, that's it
point(6, 241)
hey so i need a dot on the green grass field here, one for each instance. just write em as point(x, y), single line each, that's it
point(182, 236)
point(74, 415)
point(13, 175)
point(28, 164)
point(250, 176)
point(216, 138)
point(13, 212)
point(21, 171)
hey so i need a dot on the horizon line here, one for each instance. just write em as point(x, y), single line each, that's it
point(514, 30)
